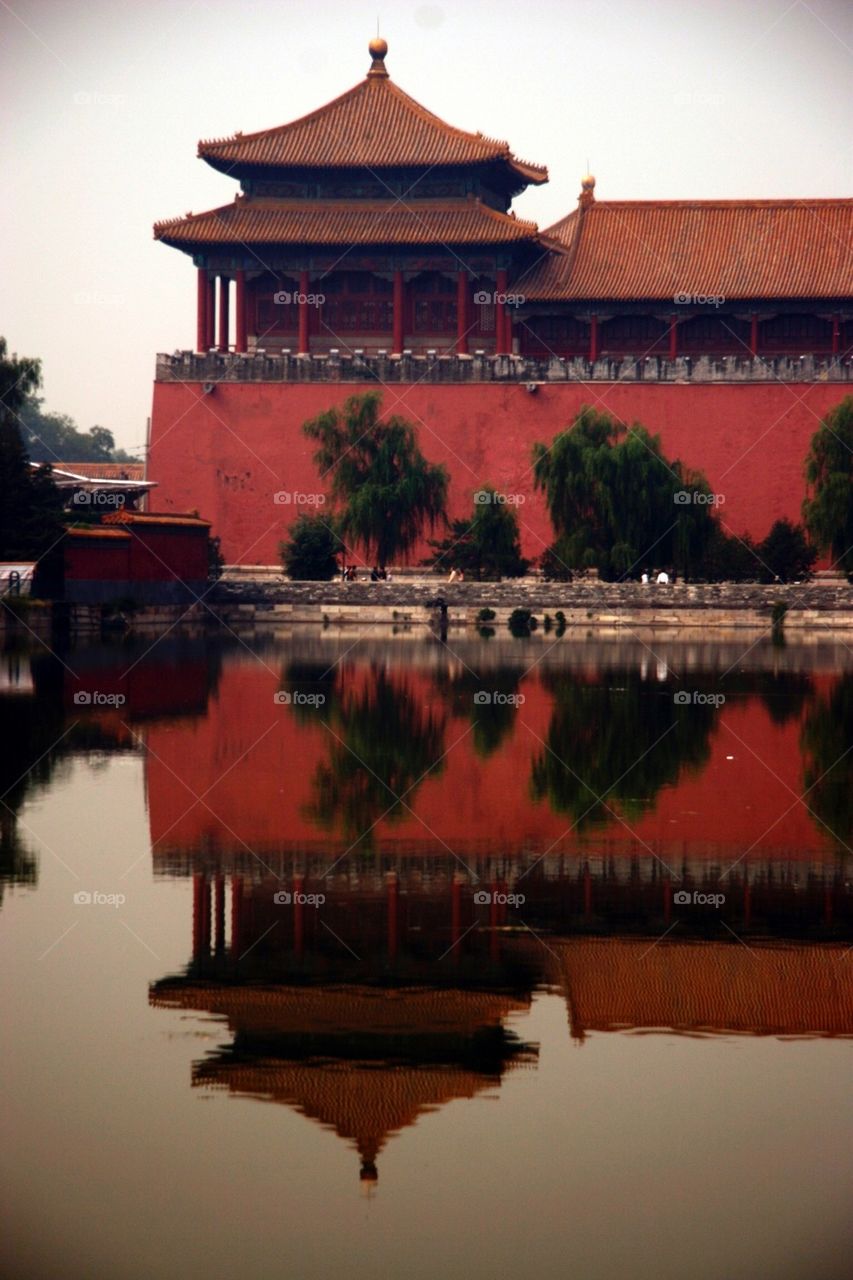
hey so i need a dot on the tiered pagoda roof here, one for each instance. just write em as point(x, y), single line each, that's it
point(374, 125)
point(651, 249)
point(265, 220)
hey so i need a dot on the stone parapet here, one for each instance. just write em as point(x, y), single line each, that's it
point(344, 366)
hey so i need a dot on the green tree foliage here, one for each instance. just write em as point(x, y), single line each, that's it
point(384, 489)
point(30, 503)
point(826, 746)
point(828, 507)
point(785, 554)
point(612, 745)
point(54, 437)
point(384, 743)
point(311, 552)
point(487, 544)
point(613, 499)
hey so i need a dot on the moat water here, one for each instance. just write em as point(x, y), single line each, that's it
point(364, 956)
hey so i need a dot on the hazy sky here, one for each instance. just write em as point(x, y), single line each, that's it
point(103, 104)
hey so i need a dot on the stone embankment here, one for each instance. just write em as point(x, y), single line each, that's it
point(589, 604)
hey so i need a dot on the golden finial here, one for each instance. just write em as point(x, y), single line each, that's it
point(378, 48)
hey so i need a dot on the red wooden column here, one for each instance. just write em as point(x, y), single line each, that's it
point(236, 915)
point(241, 335)
point(201, 343)
point(303, 343)
point(224, 287)
point(456, 913)
point(219, 913)
point(836, 335)
point(298, 907)
point(201, 914)
point(673, 338)
point(392, 885)
point(501, 317)
point(462, 313)
point(593, 339)
point(398, 319)
point(210, 322)
point(753, 335)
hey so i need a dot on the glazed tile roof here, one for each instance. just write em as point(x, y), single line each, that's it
point(124, 516)
point(263, 220)
point(373, 125)
point(639, 249)
point(615, 984)
point(104, 470)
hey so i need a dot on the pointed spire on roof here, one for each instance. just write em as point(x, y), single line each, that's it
point(587, 195)
point(378, 49)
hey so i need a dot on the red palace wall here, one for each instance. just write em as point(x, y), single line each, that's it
point(227, 453)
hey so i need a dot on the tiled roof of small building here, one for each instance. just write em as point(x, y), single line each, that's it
point(659, 249)
point(264, 220)
point(374, 125)
point(104, 470)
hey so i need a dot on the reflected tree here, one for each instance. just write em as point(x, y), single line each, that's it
point(827, 746)
point(488, 701)
point(612, 747)
point(384, 741)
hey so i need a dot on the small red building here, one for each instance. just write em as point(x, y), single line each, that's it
point(151, 559)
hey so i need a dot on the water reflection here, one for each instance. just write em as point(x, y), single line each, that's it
point(383, 741)
point(827, 744)
point(365, 999)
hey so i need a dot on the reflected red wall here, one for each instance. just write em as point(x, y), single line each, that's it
point(253, 761)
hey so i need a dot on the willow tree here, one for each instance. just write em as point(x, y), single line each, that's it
point(828, 508)
point(618, 503)
point(31, 505)
point(385, 491)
